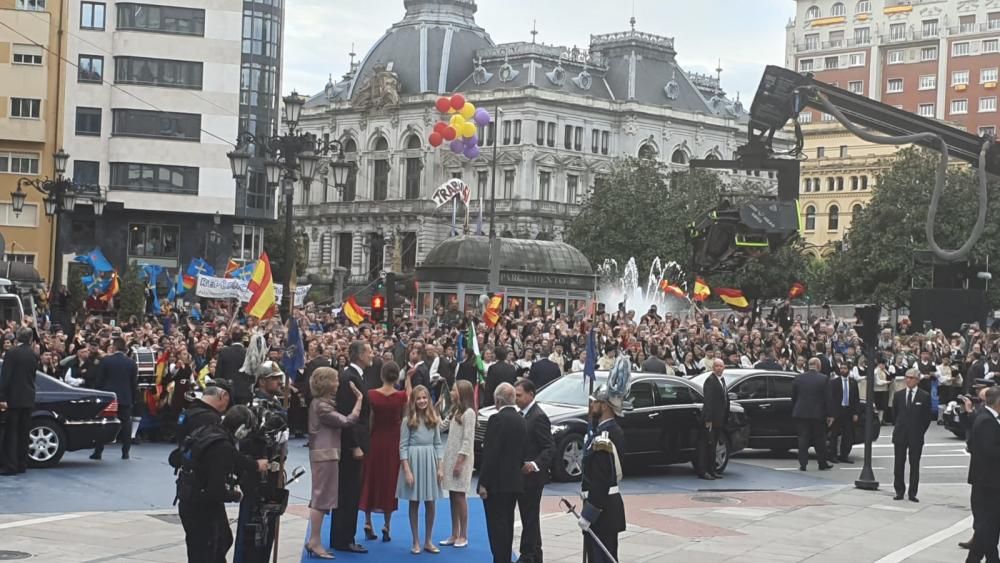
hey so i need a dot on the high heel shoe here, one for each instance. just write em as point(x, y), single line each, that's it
point(318, 554)
point(385, 535)
point(370, 533)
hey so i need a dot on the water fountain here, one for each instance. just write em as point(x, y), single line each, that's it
point(617, 285)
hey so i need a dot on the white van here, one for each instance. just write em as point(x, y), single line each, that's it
point(14, 307)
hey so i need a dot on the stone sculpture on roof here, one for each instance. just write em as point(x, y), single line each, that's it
point(380, 90)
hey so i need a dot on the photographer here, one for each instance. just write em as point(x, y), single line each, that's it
point(207, 459)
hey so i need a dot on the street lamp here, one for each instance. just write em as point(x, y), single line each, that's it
point(61, 196)
point(290, 157)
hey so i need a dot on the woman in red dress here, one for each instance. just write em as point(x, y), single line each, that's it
point(381, 468)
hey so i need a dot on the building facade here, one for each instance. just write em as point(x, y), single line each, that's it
point(936, 58)
point(561, 115)
point(30, 117)
point(153, 104)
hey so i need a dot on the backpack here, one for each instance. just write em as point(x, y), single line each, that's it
point(185, 459)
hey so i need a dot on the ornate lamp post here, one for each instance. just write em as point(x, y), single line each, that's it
point(61, 196)
point(291, 157)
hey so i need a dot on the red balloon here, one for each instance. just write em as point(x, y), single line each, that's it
point(449, 133)
point(457, 102)
point(435, 139)
point(443, 104)
point(439, 127)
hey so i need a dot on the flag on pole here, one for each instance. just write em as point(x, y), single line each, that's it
point(244, 272)
point(353, 311)
point(734, 298)
point(112, 289)
point(701, 289)
point(473, 348)
point(798, 289)
point(669, 289)
point(179, 288)
point(295, 354)
point(96, 260)
point(231, 267)
point(590, 364)
point(492, 314)
point(199, 267)
point(261, 289)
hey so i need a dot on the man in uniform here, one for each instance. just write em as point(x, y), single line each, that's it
point(204, 411)
point(603, 511)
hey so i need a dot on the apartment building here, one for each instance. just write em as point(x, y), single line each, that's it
point(936, 58)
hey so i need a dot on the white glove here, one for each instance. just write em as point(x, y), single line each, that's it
point(583, 523)
point(283, 437)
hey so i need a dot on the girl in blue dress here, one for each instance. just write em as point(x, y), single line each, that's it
point(421, 453)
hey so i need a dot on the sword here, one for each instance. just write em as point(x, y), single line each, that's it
point(571, 509)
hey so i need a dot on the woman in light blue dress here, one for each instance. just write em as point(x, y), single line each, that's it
point(421, 453)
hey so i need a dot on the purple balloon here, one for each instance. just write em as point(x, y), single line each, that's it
point(473, 140)
point(472, 152)
point(458, 146)
point(482, 117)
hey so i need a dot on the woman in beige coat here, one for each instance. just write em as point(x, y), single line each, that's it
point(325, 424)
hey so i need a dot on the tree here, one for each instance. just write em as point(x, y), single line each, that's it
point(878, 262)
point(131, 294)
point(274, 246)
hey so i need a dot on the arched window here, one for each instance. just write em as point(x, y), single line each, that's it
point(351, 154)
point(863, 7)
point(647, 152)
point(380, 169)
point(711, 156)
point(833, 218)
point(380, 144)
point(812, 13)
point(810, 218)
point(838, 9)
point(679, 157)
point(350, 146)
point(855, 210)
point(413, 142)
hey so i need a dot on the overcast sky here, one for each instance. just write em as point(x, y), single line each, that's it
point(744, 34)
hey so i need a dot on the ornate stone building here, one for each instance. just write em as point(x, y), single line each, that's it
point(561, 116)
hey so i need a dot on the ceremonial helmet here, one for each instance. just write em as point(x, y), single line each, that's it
point(613, 392)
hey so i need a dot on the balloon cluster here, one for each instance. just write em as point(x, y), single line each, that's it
point(461, 130)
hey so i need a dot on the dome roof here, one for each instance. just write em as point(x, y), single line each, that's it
point(430, 50)
point(516, 255)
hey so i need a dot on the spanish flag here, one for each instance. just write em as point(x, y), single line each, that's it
point(492, 314)
point(669, 289)
point(113, 288)
point(798, 289)
point(231, 267)
point(734, 298)
point(701, 289)
point(261, 288)
point(353, 311)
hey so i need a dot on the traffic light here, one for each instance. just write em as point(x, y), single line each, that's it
point(378, 307)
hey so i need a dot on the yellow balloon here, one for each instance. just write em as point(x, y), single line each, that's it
point(468, 129)
point(468, 110)
point(457, 121)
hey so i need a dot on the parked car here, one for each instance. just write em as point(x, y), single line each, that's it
point(661, 420)
point(67, 419)
point(766, 396)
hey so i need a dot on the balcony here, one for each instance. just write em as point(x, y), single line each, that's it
point(830, 45)
point(974, 28)
point(428, 207)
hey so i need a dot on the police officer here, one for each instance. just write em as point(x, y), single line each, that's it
point(203, 488)
point(255, 531)
point(604, 511)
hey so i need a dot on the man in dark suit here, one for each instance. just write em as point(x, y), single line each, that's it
point(353, 445)
point(913, 416)
point(810, 391)
point(119, 374)
point(500, 477)
point(976, 371)
point(825, 364)
point(653, 363)
point(715, 413)
point(768, 362)
point(544, 370)
point(538, 451)
point(501, 372)
point(845, 407)
point(17, 398)
point(967, 418)
point(984, 476)
point(228, 366)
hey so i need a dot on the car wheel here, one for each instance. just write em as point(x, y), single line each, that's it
point(569, 465)
point(46, 443)
point(721, 455)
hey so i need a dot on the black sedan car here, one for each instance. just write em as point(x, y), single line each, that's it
point(68, 418)
point(766, 396)
point(660, 422)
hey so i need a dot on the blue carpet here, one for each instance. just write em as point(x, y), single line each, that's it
point(478, 549)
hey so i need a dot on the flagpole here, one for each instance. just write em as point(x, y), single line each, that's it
point(494, 276)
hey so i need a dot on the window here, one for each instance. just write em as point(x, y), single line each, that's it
point(91, 69)
point(806, 117)
point(92, 15)
point(855, 210)
point(27, 108)
point(960, 49)
point(87, 172)
point(578, 139)
point(154, 178)
point(993, 20)
point(27, 55)
point(831, 183)
point(679, 157)
point(261, 32)
point(854, 183)
point(897, 56)
point(671, 393)
point(647, 152)
point(517, 131)
point(863, 7)
point(507, 126)
point(810, 218)
point(508, 183)
point(988, 75)
point(605, 141)
point(987, 131)
point(895, 85)
point(831, 63)
point(838, 9)
point(967, 24)
point(28, 259)
point(862, 36)
point(641, 395)
point(807, 185)
point(751, 388)
point(31, 5)
point(843, 151)
point(88, 121)
point(806, 65)
point(380, 186)
point(929, 28)
point(153, 240)
point(595, 140)
point(812, 13)
point(959, 77)
point(991, 45)
point(162, 19)
point(897, 31)
point(414, 167)
point(568, 137)
point(928, 54)
point(158, 72)
point(833, 219)
point(927, 82)
point(856, 59)
point(820, 152)
point(864, 182)
point(551, 134)
point(19, 163)
point(856, 87)
point(572, 188)
point(812, 41)
point(836, 39)
point(540, 133)
point(988, 104)
point(161, 124)
point(544, 183)
point(27, 218)
point(781, 387)
point(925, 110)
point(345, 250)
point(482, 184)
point(959, 106)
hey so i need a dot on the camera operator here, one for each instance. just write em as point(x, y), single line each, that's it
point(206, 460)
point(204, 411)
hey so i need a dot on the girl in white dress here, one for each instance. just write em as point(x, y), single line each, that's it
point(458, 460)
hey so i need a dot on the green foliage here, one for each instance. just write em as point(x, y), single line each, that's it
point(131, 294)
point(274, 246)
point(77, 293)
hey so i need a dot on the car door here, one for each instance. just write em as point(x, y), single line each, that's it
point(680, 412)
point(642, 419)
point(780, 391)
point(751, 393)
